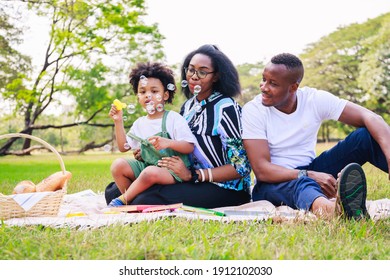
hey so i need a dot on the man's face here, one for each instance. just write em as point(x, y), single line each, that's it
point(277, 87)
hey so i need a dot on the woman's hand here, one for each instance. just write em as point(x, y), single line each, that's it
point(137, 154)
point(177, 165)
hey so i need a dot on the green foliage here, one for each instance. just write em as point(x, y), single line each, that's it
point(88, 87)
point(92, 46)
point(12, 62)
point(374, 74)
point(250, 78)
point(353, 63)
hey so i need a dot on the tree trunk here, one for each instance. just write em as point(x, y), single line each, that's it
point(7, 146)
point(27, 142)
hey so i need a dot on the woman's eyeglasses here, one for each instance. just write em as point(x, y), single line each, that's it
point(200, 73)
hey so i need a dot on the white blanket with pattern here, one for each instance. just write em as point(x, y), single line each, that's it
point(85, 210)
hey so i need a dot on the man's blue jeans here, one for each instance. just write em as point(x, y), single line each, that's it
point(357, 147)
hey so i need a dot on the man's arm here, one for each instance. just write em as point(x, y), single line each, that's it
point(359, 116)
point(260, 160)
point(265, 171)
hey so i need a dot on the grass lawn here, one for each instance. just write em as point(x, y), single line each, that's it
point(179, 239)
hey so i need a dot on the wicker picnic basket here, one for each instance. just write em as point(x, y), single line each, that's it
point(47, 206)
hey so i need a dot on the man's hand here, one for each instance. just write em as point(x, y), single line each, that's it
point(326, 181)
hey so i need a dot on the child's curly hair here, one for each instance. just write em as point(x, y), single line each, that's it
point(154, 70)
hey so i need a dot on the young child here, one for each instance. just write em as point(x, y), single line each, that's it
point(161, 130)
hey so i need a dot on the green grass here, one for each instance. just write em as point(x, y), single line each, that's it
point(177, 238)
point(198, 240)
point(88, 171)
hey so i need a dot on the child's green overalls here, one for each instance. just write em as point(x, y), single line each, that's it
point(151, 156)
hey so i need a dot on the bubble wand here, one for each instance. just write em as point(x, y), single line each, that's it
point(119, 105)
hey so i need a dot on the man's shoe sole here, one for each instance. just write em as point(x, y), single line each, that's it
point(353, 192)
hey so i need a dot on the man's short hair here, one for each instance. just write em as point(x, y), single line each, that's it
point(292, 63)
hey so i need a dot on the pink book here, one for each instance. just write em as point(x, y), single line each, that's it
point(170, 207)
point(133, 208)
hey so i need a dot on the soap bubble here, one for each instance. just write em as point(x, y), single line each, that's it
point(164, 153)
point(197, 89)
point(107, 148)
point(131, 108)
point(171, 86)
point(158, 97)
point(150, 109)
point(198, 108)
point(160, 107)
point(143, 80)
point(184, 83)
point(126, 146)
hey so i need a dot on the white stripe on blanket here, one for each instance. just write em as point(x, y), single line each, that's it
point(85, 210)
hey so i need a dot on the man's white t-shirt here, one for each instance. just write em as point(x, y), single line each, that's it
point(176, 126)
point(291, 137)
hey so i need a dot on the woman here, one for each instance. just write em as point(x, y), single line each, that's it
point(221, 171)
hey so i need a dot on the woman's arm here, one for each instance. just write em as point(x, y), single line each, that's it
point(218, 174)
point(229, 130)
point(222, 173)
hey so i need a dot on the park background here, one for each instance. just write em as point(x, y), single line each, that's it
point(64, 62)
point(63, 96)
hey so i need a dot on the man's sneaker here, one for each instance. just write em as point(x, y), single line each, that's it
point(116, 202)
point(352, 192)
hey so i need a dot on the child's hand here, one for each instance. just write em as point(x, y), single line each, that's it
point(159, 143)
point(115, 114)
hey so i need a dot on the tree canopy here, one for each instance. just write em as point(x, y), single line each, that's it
point(93, 44)
point(91, 47)
point(353, 63)
point(12, 63)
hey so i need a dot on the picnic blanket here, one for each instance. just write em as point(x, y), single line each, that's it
point(87, 209)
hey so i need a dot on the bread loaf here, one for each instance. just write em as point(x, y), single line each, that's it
point(24, 187)
point(54, 182)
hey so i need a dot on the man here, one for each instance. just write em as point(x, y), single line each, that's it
point(280, 129)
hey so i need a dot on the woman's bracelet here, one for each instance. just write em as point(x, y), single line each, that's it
point(202, 178)
point(210, 175)
point(202, 173)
